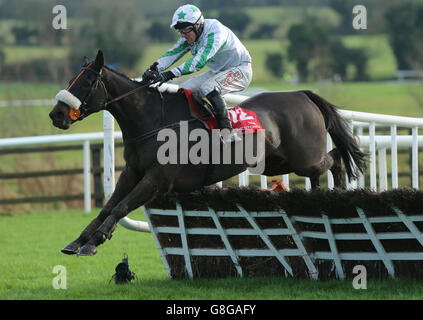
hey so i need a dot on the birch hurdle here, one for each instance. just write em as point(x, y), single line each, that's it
point(315, 245)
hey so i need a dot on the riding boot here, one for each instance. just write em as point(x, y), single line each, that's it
point(222, 117)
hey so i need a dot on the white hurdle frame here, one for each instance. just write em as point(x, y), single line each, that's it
point(269, 250)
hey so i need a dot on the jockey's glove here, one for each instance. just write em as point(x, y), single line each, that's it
point(151, 73)
point(164, 77)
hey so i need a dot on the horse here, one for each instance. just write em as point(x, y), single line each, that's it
point(295, 126)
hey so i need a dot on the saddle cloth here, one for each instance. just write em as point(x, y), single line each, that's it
point(243, 121)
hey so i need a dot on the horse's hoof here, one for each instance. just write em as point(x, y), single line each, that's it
point(87, 250)
point(71, 248)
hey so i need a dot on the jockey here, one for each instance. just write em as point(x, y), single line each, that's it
point(211, 44)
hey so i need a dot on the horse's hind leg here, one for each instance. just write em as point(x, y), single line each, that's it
point(336, 167)
point(315, 175)
point(314, 172)
point(332, 162)
point(127, 180)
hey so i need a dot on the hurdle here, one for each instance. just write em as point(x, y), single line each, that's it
point(317, 244)
point(284, 243)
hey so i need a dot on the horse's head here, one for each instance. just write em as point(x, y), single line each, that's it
point(85, 94)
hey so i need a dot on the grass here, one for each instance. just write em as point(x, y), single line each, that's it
point(400, 99)
point(288, 15)
point(31, 251)
point(25, 91)
point(21, 53)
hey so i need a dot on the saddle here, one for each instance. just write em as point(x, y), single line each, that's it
point(243, 120)
point(200, 109)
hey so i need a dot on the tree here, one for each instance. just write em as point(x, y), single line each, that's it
point(160, 32)
point(237, 20)
point(112, 27)
point(220, 4)
point(23, 34)
point(36, 20)
point(341, 57)
point(2, 59)
point(274, 63)
point(329, 56)
point(344, 8)
point(264, 31)
point(305, 43)
point(359, 58)
point(405, 27)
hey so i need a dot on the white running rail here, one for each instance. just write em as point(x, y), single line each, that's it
point(358, 120)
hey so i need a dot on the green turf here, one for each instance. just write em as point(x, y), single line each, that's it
point(394, 98)
point(30, 248)
point(22, 53)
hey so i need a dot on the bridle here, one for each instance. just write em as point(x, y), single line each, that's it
point(83, 110)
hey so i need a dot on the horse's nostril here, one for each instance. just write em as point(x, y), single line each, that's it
point(56, 115)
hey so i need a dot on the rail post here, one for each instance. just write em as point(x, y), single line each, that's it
point(87, 178)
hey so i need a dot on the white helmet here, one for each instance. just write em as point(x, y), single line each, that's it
point(187, 14)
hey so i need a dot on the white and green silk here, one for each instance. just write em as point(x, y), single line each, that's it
point(217, 47)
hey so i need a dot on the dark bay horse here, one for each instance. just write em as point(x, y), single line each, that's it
point(295, 126)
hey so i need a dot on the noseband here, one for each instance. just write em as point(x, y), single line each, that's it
point(82, 111)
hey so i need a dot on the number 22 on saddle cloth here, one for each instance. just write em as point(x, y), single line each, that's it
point(243, 121)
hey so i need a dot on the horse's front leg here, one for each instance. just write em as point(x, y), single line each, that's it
point(140, 194)
point(126, 182)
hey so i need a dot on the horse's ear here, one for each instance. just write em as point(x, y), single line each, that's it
point(99, 59)
point(85, 61)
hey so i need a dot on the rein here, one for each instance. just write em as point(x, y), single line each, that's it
point(126, 94)
point(78, 115)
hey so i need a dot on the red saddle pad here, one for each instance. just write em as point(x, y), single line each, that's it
point(243, 121)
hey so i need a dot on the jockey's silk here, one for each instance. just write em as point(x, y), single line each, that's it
point(217, 47)
point(231, 80)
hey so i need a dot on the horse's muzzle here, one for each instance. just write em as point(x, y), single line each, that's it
point(59, 118)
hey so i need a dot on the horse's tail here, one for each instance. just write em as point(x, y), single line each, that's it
point(341, 136)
